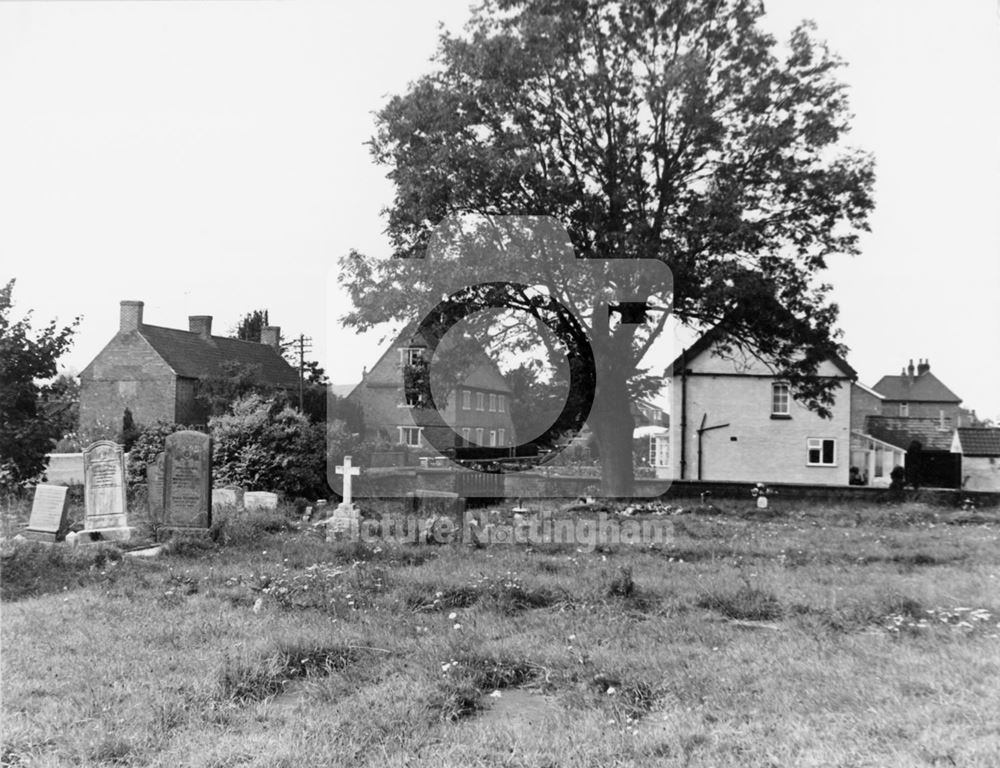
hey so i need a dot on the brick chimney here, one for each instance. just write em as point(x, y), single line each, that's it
point(909, 368)
point(271, 335)
point(131, 316)
point(200, 324)
point(923, 367)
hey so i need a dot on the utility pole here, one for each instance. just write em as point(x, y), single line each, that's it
point(304, 344)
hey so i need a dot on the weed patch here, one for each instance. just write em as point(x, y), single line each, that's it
point(31, 569)
point(748, 603)
point(467, 678)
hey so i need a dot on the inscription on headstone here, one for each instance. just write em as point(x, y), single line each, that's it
point(48, 514)
point(187, 481)
point(154, 487)
point(105, 509)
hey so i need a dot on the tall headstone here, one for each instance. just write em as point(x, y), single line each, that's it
point(48, 514)
point(187, 483)
point(154, 488)
point(105, 508)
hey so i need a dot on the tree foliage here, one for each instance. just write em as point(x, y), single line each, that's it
point(27, 431)
point(250, 325)
point(674, 130)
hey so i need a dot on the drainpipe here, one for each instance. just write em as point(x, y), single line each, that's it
point(684, 421)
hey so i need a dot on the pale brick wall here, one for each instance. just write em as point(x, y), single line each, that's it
point(754, 447)
point(127, 373)
point(981, 473)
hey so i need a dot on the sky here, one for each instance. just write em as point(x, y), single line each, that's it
point(210, 158)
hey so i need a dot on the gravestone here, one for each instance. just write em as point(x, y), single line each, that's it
point(260, 500)
point(105, 508)
point(154, 488)
point(187, 483)
point(227, 497)
point(346, 519)
point(48, 514)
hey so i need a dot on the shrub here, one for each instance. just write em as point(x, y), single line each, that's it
point(149, 441)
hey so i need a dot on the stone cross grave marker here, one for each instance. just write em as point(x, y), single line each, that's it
point(48, 514)
point(346, 517)
point(154, 487)
point(105, 507)
point(187, 483)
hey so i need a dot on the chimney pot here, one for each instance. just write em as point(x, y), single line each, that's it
point(271, 335)
point(130, 318)
point(200, 324)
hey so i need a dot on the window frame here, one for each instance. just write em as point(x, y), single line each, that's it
point(404, 432)
point(406, 355)
point(479, 436)
point(493, 402)
point(502, 403)
point(480, 401)
point(904, 410)
point(777, 386)
point(821, 441)
point(466, 400)
point(501, 436)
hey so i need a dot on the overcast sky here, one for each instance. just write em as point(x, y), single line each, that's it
point(209, 158)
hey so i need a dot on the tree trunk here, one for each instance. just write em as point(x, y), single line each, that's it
point(613, 424)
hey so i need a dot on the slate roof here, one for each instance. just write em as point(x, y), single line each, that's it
point(191, 355)
point(707, 339)
point(925, 388)
point(979, 441)
point(901, 431)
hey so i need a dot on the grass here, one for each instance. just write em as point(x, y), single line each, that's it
point(823, 635)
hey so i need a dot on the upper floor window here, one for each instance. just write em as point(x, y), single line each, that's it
point(493, 402)
point(466, 400)
point(411, 355)
point(502, 403)
point(904, 409)
point(822, 452)
point(480, 401)
point(781, 400)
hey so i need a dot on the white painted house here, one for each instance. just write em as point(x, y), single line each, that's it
point(733, 418)
point(980, 449)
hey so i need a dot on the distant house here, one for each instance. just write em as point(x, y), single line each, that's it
point(980, 451)
point(927, 443)
point(734, 418)
point(478, 410)
point(916, 392)
point(155, 371)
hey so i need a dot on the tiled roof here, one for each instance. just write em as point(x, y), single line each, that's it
point(901, 431)
point(979, 441)
point(925, 388)
point(192, 356)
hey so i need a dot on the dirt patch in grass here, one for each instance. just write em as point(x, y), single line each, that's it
point(747, 603)
point(245, 682)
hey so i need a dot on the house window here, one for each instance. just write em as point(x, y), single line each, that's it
point(411, 355)
point(822, 452)
point(410, 436)
point(466, 434)
point(479, 435)
point(411, 398)
point(780, 399)
point(501, 437)
point(480, 401)
point(466, 400)
point(493, 438)
point(904, 409)
point(493, 402)
point(502, 406)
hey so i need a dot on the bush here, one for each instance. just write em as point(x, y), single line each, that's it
point(264, 446)
point(148, 442)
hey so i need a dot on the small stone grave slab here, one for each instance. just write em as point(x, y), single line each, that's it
point(154, 488)
point(254, 500)
point(431, 505)
point(48, 514)
point(105, 507)
point(187, 484)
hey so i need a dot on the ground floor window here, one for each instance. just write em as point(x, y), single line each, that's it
point(410, 436)
point(502, 437)
point(822, 452)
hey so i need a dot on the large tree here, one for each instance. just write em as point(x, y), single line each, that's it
point(27, 360)
point(675, 130)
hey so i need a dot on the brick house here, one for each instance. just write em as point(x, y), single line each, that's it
point(154, 371)
point(478, 410)
point(733, 418)
point(916, 392)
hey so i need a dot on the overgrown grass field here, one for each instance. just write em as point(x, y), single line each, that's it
point(820, 636)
